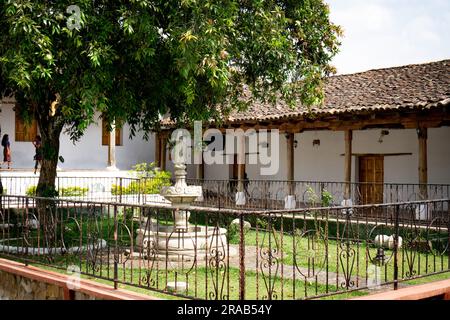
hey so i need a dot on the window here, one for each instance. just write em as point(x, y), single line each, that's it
point(25, 132)
point(105, 134)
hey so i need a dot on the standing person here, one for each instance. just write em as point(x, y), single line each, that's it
point(246, 183)
point(6, 150)
point(38, 155)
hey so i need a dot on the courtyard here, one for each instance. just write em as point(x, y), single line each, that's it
point(226, 251)
point(224, 150)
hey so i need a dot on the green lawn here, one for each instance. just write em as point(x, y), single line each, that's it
point(203, 283)
point(410, 262)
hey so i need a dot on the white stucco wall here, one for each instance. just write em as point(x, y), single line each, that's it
point(326, 162)
point(439, 155)
point(322, 163)
point(88, 153)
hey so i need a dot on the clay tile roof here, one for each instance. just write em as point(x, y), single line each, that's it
point(417, 86)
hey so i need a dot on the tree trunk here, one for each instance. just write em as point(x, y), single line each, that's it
point(50, 130)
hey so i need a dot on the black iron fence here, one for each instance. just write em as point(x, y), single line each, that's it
point(246, 194)
point(272, 194)
point(214, 253)
point(106, 189)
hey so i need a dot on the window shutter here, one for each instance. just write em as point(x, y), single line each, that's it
point(118, 136)
point(19, 129)
point(23, 132)
point(105, 135)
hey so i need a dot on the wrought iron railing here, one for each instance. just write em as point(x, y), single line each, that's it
point(273, 194)
point(258, 194)
point(107, 189)
point(231, 254)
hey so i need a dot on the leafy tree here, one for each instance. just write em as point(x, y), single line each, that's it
point(134, 60)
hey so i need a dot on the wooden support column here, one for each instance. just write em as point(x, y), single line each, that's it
point(198, 150)
point(290, 161)
point(422, 134)
point(112, 149)
point(158, 150)
point(348, 163)
point(241, 162)
point(163, 152)
point(200, 171)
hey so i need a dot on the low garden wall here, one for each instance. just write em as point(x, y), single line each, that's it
point(21, 282)
point(438, 290)
point(17, 287)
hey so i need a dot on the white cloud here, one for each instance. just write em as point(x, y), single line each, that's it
point(421, 29)
point(385, 33)
point(363, 16)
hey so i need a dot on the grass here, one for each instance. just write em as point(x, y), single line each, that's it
point(202, 284)
point(419, 262)
point(437, 277)
point(202, 281)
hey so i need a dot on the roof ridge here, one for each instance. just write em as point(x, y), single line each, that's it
point(390, 68)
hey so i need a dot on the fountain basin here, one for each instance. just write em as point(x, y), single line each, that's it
point(181, 196)
point(159, 242)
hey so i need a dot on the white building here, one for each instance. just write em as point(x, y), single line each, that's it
point(380, 126)
point(91, 152)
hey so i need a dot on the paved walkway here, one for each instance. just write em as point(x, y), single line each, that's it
point(291, 272)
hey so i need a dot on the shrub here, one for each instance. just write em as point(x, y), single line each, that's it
point(233, 233)
point(31, 191)
point(151, 181)
point(116, 190)
point(327, 198)
point(63, 192)
point(144, 170)
point(145, 186)
point(73, 192)
point(154, 185)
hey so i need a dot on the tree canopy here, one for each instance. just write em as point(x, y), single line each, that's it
point(134, 60)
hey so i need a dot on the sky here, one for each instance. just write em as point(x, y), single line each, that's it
point(388, 33)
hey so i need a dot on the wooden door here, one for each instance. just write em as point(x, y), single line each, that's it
point(234, 169)
point(371, 177)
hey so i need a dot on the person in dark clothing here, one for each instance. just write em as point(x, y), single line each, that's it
point(6, 150)
point(246, 183)
point(38, 154)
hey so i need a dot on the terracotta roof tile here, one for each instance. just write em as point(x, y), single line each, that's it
point(412, 86)
point(417, 86)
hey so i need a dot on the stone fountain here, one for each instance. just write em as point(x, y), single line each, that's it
point(180, 242)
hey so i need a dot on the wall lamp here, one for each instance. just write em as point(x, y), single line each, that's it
point(316, 143)
point(382, 135)
point(295, 141)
